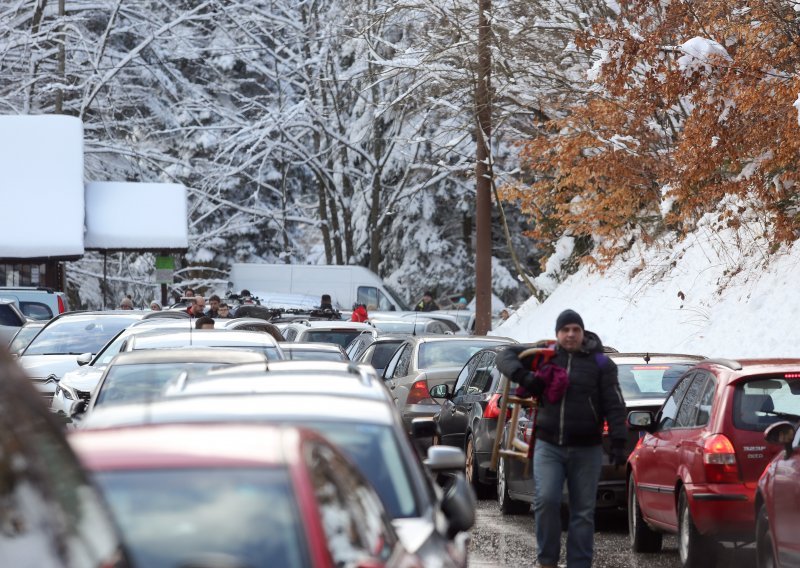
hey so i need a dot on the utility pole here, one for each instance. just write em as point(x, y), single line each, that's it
point(62, 56)
point(483, 174)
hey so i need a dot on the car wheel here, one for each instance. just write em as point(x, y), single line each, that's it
point(764, 553)
point(642, 537)
point(694, 549)
point(508, 506)
point(482, 491)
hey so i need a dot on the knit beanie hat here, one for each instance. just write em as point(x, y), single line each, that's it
point(567, 317)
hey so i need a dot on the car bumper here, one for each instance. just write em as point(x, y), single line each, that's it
point(723, 509)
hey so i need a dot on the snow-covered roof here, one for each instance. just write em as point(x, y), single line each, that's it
point(136, 216)
point(41, 185)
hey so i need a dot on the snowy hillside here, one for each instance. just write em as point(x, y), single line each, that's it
point(721, 292)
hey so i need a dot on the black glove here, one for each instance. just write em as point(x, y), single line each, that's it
point(618, 456)
point(529, 382)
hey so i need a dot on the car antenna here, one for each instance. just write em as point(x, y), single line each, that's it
point(414, 329)
point(647, 357)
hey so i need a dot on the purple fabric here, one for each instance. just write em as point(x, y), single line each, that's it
point(557, 382)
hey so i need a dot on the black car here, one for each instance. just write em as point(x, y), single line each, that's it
point(645, 380)
point(52, 515)
point(469, 414)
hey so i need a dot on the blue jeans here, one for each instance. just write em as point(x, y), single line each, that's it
point(580, 466)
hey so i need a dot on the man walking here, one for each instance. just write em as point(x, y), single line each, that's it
point(427, 304)
point(569, 434)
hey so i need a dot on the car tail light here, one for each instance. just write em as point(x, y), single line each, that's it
point(791, 375)
point(418, 393)
point(61, 308)
point(605, 427)
point(719, 458)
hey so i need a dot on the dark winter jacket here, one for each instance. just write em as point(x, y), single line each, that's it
point(423, 307)
point(592, 397)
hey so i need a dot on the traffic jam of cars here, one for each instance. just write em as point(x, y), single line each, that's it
point(351, 443)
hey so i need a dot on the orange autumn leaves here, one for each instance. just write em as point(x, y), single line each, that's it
point(720, 125)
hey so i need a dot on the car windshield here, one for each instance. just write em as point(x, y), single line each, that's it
point(138, 383)
point(183, 517)
point(341, 337)
point(374, 449)
point(313, 355)
point(450, 353)
point(649, 381)
point(77, 335)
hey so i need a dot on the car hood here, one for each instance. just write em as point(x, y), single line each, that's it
point(83, 378)
point(413, 532)
point(41, 366)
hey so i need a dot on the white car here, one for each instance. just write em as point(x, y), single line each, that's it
point(325, 331)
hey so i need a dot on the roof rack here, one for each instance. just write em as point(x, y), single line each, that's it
point(730, 363)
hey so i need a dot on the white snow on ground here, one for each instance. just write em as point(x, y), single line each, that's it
point(714, 294)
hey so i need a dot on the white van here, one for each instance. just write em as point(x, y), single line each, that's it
point(347, 285)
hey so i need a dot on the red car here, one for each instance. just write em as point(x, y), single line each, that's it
point(694, 471)
point(778, 501)
point(238, 495)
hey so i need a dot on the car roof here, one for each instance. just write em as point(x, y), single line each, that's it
point(167, 446)
point(330, 324)
point(310, 346)
point(653, 358)
point(428, 338)
point(158, 338)
point(276, 407)
point(745, 367)
point(361, 382)
point(189, 354)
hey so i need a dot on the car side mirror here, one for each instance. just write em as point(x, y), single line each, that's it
point(458, 506)
point(641, 420)
point(423, 427)
point(440, 391)
point(84, 359)
point(445, 459)
point(781, 433)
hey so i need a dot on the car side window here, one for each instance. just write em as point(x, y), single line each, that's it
point(392, 365)
point(367, 295)
point(350, 512)
point(465, 374)
point(669, 412)
point(481, 381)
point(384, 303)
point(706, 402)
point(691, 402)
point(290, 333)
point(403, 363)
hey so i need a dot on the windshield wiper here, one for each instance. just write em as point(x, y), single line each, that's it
point(783, 414)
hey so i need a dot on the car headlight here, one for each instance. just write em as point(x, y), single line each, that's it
point(67, 391)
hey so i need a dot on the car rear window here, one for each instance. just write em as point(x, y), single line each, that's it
point(313, 355)
point(649, 381)
point(126, 384)
point(766, 400)
point(36, 310)
point(189, 517)
point(341, 337)
point(383, 353)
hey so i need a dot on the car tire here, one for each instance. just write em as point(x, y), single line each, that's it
point(508, 506)
point(694, 549)
point(482, 491)
point(765, 555)
point(642, 537)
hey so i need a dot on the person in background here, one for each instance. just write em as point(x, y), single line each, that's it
point(188, 293)
point(198, 307)
point(578, 390)
point(462, 303)
point(126, 303)
point(204, 322)
point(325, 302)
point(427, 304)
point(213, 306)
point(246, 297)
point(155, 306)
point(359, 313)
point(224, 311)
